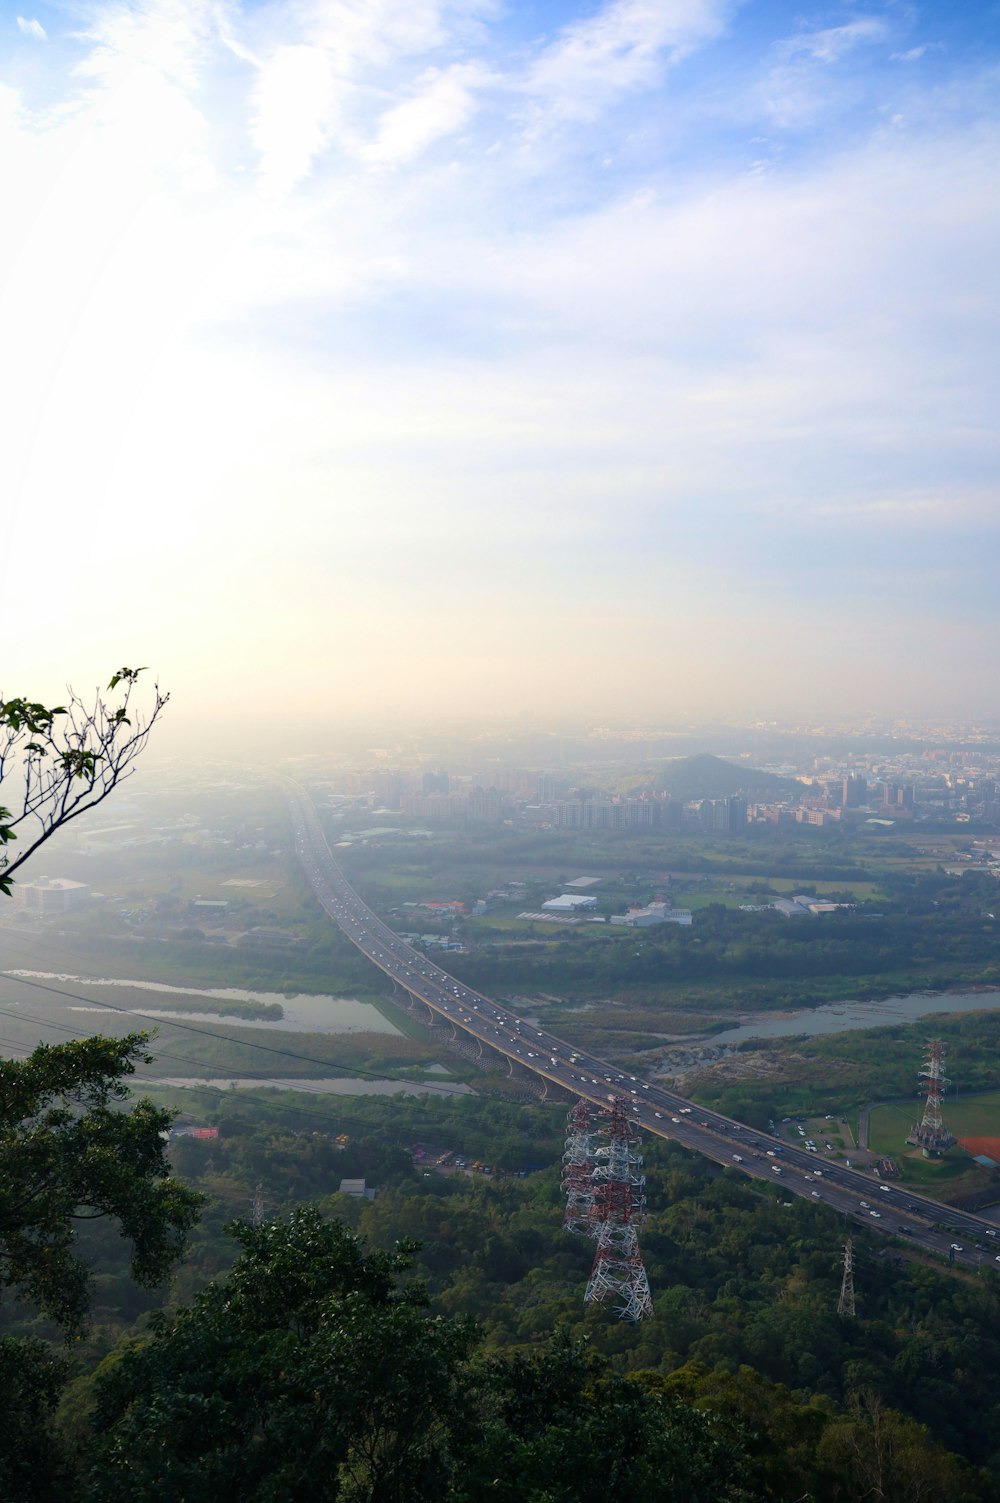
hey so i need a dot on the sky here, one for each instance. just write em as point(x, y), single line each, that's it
point(364, 361)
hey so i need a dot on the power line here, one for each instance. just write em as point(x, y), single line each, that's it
point(248, 1096)
point(223, 1038)
point(304, 1086)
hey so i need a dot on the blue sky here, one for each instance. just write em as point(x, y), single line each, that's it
point(624, 360)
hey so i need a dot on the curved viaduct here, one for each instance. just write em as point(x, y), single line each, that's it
point(964, 1239)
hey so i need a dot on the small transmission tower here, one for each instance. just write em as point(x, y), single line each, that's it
point(930, 1133)
point(845, 1305)
point(257, 1214)
point(578, 1168)
point(617, 1210)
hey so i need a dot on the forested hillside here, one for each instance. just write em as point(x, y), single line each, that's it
point(795, 1400)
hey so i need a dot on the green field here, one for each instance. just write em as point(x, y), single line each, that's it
point(969, 1116)
point(975, 1116)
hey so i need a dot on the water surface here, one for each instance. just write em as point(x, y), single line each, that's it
point(303, 1013)
point(841, 1017)
point(322, 1086)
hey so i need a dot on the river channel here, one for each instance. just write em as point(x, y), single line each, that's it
point(841, 1017)
point(303, 1013)
point(324, 1085)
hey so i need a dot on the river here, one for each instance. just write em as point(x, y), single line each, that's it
point(841, 1017)
point(303, 1013)
point(325, 1086)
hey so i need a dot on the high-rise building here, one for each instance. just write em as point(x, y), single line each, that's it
point(854, 793)
point(724, 816)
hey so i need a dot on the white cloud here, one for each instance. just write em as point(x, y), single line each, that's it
point(626, 46)
point(295, 108)
point(829, 44)
point(334, 393)
point(444, 102)
point(914, 54)
point(808, 74)
point(32, 28)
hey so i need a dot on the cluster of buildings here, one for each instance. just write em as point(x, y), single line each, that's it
point(823, 790)
point(573, 904)
point(805, 906)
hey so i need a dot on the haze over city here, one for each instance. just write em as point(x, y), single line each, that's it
point(629, 361)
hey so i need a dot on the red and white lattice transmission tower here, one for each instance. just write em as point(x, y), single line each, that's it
point(930, 1132)
point(578, 1168)
point(617, 1210)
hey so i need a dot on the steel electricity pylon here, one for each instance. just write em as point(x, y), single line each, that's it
point(930, 1133)
point(845, 1305)
point(578, 1168)
point(617, 1210)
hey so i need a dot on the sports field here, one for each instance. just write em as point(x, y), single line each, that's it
point(974, 1118)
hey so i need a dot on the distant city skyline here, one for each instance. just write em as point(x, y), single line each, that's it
point(370, 362)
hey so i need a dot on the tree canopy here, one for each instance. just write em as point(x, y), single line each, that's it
point(70, 1152)
point(313, 1370)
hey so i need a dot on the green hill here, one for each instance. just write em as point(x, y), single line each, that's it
point(705, 776)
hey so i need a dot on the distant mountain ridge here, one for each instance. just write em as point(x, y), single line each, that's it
point(705, 776)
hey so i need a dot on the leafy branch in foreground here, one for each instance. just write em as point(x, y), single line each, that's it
point(70, 1152)
point(65, 759)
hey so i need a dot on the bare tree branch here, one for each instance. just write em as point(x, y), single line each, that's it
point(66, 759)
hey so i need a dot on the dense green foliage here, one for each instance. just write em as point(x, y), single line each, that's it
point(745, 1330)
point(69, 1152)
point(309, 1372)
point(316, 1369)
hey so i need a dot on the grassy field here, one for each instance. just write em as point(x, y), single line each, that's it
point(966, 1116)
point(969, 1116)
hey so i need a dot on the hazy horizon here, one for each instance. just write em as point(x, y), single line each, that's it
point(372, 364)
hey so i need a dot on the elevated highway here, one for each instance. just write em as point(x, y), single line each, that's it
point(963, 1239)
